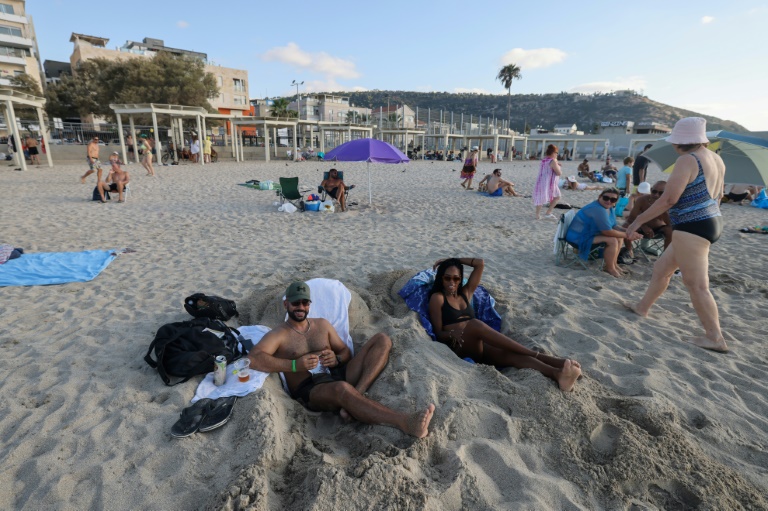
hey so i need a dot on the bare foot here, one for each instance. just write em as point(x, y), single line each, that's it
point(709, 344)
point(615, 273)
point(633, 308)
point(345, 416)
point(568, 375)
point(82, 180)
point(418, 423)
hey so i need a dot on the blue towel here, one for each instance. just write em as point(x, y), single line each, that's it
point(55, 267)
point(416, 295)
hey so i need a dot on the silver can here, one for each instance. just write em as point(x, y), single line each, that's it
point(220, 370)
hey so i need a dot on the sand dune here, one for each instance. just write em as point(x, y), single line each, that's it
point(654, 424)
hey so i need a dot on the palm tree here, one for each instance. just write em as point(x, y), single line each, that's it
point(280, 108)
point(506, 75)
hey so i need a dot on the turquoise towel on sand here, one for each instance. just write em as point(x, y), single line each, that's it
point(55, 267)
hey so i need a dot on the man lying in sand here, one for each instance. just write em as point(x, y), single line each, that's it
point(322, 374)
point(495, 186)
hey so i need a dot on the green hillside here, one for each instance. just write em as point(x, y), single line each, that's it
point(544, 110)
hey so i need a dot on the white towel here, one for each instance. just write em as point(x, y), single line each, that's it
point(232, 386)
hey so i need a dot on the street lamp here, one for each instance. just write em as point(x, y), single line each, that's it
point(298, 98)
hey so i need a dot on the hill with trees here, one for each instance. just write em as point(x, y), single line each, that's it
point(545, 110)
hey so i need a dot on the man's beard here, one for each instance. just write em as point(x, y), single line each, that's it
point(292, 315)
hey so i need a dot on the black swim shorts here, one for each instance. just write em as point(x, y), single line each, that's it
point(301, 394)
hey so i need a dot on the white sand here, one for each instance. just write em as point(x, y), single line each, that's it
point(84, 423)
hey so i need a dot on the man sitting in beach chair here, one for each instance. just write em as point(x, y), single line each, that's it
point(117, 181)
point(320, 371)
point(333, 185)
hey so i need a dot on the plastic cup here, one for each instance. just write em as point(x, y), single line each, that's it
point(242, 370)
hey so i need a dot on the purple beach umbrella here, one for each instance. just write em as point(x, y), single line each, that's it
point(367, 150)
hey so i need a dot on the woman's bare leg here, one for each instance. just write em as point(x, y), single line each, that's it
point(552, 205)
point(663, 269)
point(611, 254)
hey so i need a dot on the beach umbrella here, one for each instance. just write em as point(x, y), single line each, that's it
point(368, 150)
point(745, 157)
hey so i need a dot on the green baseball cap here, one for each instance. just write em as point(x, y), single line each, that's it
point(297, 291)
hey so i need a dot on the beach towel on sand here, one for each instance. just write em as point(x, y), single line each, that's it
point(330, 300)
point(45, 268)
point(416, 295)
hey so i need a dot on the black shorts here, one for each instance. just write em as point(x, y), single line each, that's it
point(333, 192)
point(33, 151)
point(301, 394)
point(737, 197)
point(112, 187)
point(709, 229)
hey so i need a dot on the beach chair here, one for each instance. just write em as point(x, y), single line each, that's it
point(324, 194)
point(567, 253)
point(289, 191)
point(646, 246)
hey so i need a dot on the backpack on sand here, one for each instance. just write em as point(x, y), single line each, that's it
point(200, 305)
point(189, 348)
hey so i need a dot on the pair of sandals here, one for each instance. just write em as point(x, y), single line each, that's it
point(205, 415)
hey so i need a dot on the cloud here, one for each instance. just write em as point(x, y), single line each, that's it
point(182, 24)
point(323, 63)
point(633, 82)
point(531, 59)
point(706, 20)
point(476, 90)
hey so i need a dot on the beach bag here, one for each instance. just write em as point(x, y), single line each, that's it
point(97, 197)
point(621, 205)
point(200, 305)
point(189, 348)
point(761, 201)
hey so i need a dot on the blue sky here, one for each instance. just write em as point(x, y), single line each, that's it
point(706, 56)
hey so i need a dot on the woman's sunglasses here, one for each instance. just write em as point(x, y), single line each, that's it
point(454, 278)
point(612, 200)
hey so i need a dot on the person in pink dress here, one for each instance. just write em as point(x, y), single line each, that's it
point(546, 190)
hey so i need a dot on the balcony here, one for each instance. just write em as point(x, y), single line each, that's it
point(16, 41)
point(8, 59)
point(13, 17)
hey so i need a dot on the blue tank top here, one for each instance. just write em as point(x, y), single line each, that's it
point(695, 203)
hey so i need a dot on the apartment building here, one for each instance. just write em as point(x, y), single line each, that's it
point(18, 44)
point(233, 83)
point(329, 108)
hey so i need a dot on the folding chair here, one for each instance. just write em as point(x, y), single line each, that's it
point(289, 191)
point(324, 194)
point(647, 246)
point(567, 253)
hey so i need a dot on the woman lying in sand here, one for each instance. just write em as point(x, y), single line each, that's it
point(573, 184)
point(596, 223)
point(454, 324)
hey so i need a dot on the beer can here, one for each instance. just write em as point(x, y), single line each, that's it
point(220, 370)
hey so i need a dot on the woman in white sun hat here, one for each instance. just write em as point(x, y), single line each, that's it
point(692, 197)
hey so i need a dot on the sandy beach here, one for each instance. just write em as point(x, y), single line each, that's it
point(655, 423)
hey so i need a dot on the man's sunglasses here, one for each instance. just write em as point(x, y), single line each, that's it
point(449, 278)
point(656, 192)
point(612, 200)
point(300, 302)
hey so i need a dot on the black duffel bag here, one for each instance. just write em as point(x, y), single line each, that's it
point(200, 305)
point(189, 348)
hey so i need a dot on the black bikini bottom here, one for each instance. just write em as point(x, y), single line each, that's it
point(709, 229)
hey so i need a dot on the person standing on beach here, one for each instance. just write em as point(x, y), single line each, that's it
point(34, 157)
point(455, 325)
point(321, 372)
point(131, 150)
point(146, 155)
point(469, 169)
point(692, 197)
point(547, 190)
point(92, 157)
point(640, 167)
point(207, 150)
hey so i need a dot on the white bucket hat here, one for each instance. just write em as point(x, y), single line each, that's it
point(475, 148)
point(644, 188)
point(691, 130)
point(571, 179)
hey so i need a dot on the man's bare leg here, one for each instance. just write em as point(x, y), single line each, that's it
point(332, 396)
point(82, 178)
point(101, 185)
point(120, 188)
point(369, 362)
point(342, 197)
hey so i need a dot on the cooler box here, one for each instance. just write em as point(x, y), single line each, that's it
point(313, 205)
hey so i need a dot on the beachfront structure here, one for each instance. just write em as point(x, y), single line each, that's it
point(18, 44)
point(54, 70)
point(232, 83)
point(331, 108)
point(9, 99)
point(394, 116)
point(566, 129)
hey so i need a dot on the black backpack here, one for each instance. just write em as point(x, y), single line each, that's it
point(188, 348)
point(200, 305)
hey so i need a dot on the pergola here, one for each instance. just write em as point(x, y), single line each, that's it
point(450, 139)
point(176, 112)
point(9, 97)
point(565, 139)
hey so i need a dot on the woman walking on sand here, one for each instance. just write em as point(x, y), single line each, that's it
point(546, 190)
point(146, 155)
point(454, 323)
point(469, 169)
point(692, 197)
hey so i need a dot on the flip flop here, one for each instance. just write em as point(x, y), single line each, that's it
point(190, 418)
point(218, 414)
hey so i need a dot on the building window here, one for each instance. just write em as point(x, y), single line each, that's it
point(9, 51)
point(6, 9)
point(6, 30)
point(238, 84)
point(220, 80)
point(240, 100)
